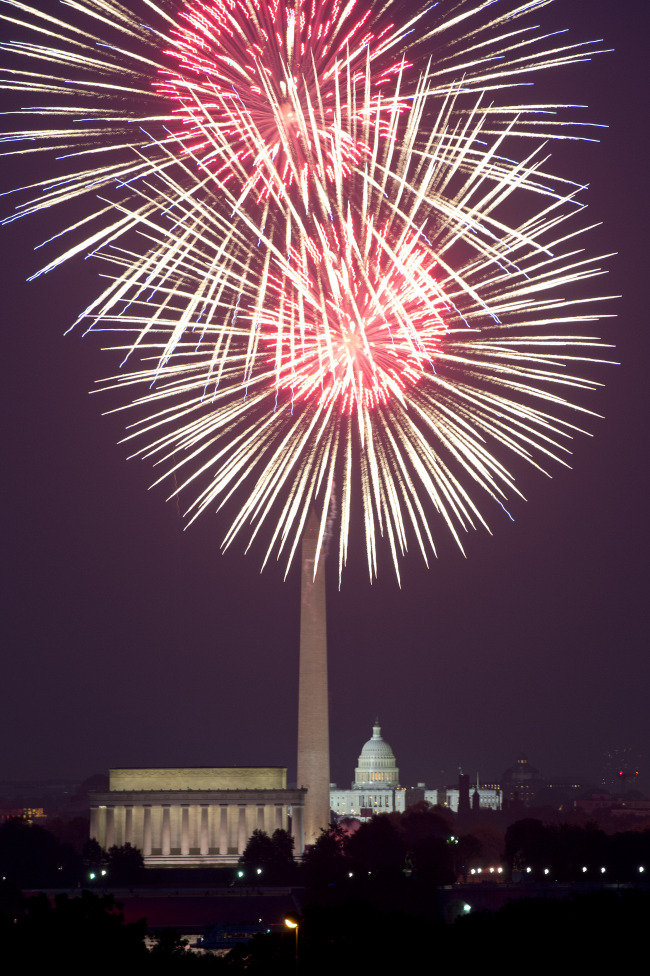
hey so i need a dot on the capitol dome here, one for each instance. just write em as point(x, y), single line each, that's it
point(521, 772)
point(377, 764)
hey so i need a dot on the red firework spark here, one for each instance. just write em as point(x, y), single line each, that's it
point(359, 321)
point(264, 81)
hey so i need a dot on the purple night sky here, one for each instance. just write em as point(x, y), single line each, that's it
point(129, 642)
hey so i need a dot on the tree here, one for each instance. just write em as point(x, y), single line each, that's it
point(73, 832)
point(258, 853)
point(377, 847)
point(420, 822)
point(125, 864)
point(282, 848)
point(93, 856)
point(525, 844)
point(326, 861)
point(72, 931)
point(31, 856)
point(467, 851)
point(272, 856)
point(283, 865)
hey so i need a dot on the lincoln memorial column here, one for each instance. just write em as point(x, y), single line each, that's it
point(203, 835)
point(223, 830)
point(146, 831)
point(185, 829)
point(128, 824)
point(166, 831)
point(110, 827)
point(241, 830)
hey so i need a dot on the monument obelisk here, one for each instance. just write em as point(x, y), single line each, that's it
point(313, 724)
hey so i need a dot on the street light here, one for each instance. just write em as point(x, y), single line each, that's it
point(293, 922)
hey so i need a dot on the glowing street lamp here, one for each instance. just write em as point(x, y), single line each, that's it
point(293, 922)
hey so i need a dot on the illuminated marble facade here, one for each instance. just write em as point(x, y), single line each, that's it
point(196, 816)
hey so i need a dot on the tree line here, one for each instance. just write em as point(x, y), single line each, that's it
point(33, 857)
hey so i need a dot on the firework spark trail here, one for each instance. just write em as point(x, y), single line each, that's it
point(259, 60)
point(107, 73)
point(448, 196)
point(320, 285)
point(484, 342)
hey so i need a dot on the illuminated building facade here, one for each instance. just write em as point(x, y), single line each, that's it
point(195, 817)
point(376, 786)
point(28, 814)
point(488, 797)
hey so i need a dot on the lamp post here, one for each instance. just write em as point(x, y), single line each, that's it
point(293, 922)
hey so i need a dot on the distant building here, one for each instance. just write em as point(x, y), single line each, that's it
point(613, 806)
point(28, 814)
point(197, 816)
point(485, 797)
point(524, 785)
point(521, 783)
point(376, 786)
point(489, 798)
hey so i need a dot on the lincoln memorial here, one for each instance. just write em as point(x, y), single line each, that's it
point(195, 817)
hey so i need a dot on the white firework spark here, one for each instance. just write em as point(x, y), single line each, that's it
point(360, 312)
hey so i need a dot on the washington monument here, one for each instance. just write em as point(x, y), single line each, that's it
point(313, 725)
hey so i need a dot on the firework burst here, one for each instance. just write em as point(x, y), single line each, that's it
point(284, 88)
point(319, 288)
point(117, 94)
point(397, 357)
point(369, 319)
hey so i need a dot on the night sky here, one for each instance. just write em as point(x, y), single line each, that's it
point(130, 642)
